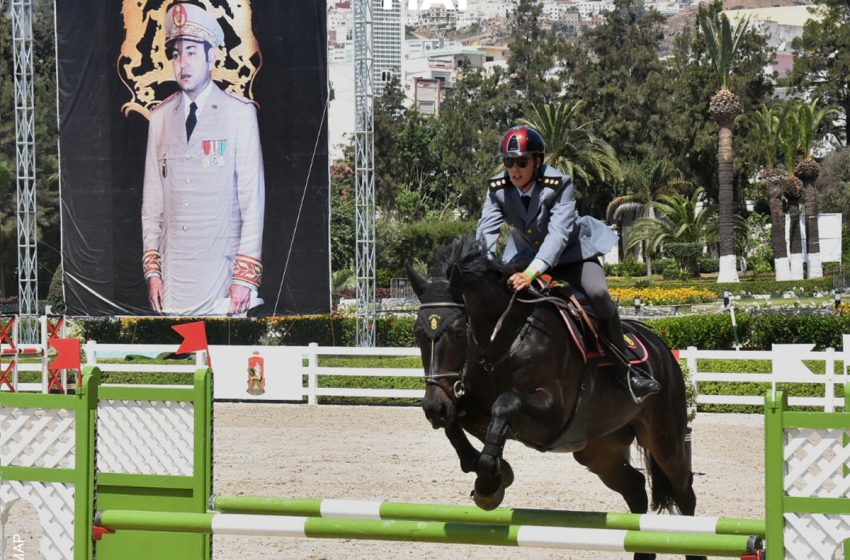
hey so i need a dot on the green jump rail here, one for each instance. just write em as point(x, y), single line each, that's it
point(430, 531)
point(362, 509)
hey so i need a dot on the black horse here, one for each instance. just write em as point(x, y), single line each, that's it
point(516, 374)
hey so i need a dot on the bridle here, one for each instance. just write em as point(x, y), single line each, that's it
point(433, 378)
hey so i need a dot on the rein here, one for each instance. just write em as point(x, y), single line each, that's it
point(490, 365)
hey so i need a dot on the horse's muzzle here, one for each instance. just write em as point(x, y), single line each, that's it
point(438, 405)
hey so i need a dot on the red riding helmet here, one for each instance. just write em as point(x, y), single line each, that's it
point(520, 141)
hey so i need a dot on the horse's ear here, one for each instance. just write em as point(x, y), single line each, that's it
point(456, 283)
point(418, 282)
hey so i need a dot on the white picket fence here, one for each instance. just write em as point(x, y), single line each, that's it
point(786, 366)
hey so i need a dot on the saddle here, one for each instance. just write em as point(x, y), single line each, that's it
point(582, 325)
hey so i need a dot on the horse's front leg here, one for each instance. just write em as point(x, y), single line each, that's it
point(467, 454)
point(494, 475)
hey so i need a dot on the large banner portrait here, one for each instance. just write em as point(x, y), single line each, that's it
point(194, 160)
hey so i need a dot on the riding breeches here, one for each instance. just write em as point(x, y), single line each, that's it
point(589, 277)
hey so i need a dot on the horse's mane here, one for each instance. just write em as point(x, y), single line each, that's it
point(467, 254)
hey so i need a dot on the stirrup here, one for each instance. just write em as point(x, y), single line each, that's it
point(630, 371)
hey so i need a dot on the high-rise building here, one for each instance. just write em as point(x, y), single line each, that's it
point(387, 38)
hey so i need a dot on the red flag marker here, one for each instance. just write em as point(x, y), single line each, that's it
point(67, 353)
point(675, 354)
point(194, 337)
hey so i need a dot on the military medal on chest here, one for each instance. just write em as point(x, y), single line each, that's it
point(220, 147)
point(207, 146)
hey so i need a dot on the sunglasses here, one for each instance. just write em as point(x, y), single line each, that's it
point(522, 163)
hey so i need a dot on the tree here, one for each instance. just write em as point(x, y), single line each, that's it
point(689, 134)
point(822, 58)
point(810, 120)
point(682, 221)
point(766, 128)
point(793, 190)
point(47, 159)
point(389, 116)
point(531, 57)
point(620, 78)
point(343, 230)
point(721, 45)
point(643, 182)
point(572, 147)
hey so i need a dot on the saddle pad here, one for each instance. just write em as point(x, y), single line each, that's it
point(584, 333)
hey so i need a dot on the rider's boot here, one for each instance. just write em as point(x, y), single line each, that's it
point(639, 383)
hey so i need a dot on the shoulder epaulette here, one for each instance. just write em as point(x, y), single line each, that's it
point(239, 98)
point(166, 100)
point(552, 178)
point(498, 182)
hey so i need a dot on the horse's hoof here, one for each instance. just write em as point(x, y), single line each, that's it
point(490, 501)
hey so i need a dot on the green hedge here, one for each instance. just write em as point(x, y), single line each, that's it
point(756, 330)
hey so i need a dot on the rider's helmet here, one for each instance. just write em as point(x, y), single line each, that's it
point(520, 141)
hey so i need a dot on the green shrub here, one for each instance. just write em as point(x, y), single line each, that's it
point(673, 271)
point(55, 299)
point(686, 254)
point(398, 243)
point(709, 266)
point(632, 267)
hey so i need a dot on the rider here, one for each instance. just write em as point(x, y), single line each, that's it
point(539, 204)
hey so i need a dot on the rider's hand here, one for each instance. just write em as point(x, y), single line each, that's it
point(519, 281)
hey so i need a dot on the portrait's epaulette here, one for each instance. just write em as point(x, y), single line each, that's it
point(500, 181)
point(171, 97)
point(239, 98)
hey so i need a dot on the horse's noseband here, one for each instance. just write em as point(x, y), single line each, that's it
point(434, 325)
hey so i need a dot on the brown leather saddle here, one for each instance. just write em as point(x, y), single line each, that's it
point(583, 329)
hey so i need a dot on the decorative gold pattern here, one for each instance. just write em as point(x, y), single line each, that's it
point(247, 269)
point(143, 64)
point(152, 263)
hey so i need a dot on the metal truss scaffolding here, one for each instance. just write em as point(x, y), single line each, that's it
point(364, 163)
point(25, 152)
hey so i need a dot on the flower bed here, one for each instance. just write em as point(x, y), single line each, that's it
point(663, 296)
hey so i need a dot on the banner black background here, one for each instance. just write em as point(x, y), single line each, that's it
point(102, 156)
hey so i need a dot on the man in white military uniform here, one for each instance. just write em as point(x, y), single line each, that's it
point(204, 189)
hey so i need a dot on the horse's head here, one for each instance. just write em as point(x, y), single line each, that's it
point(440, 331)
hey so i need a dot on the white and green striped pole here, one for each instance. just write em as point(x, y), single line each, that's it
point(431, 531)
point(364, 509)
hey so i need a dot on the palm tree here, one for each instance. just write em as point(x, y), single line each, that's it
point(793, 189)
point(722, 44)
point(643, 182)
point(681, 220)
point(571, 146)
point(766, 127)
point(810, 117)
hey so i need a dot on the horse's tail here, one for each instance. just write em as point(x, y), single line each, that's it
point(663, 497)
point(660, 486)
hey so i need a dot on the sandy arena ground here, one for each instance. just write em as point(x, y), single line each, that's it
point(391, 453)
